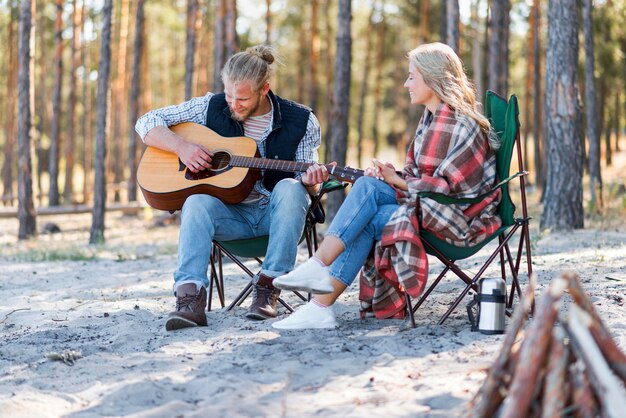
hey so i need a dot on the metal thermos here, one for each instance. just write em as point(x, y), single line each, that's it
point(491, 301)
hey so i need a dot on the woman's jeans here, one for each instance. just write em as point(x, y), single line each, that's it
point(359, 223)
point(205, 218)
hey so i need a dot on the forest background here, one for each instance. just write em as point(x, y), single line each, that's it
point(95, 66)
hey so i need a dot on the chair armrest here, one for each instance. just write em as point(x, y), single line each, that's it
point(316, 212)
point(449, 200)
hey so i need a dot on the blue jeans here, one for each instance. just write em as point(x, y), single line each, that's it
point(359, 223)
point(205, 218)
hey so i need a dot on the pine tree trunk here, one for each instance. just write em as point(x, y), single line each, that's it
point(617, 120)
point(268, 22)
point(26, 209)
point(219, 48)
point(477, 57)
point(100, 192)
point(302, 60)
point(328, 60)
point(591, 113)
point(341, 97)
point(86, 122)
point(378, 79)
point(314, 56)
point(424, 21)
point(537, 104)
point(452, 24)
point(499, 47)
point(9, 127)
point(231, 28)
point(55, 135)
point(563, 208)
point(192, 13)
point(364, 86)
point(134, 101)
point(71, 109)
point(608, 152)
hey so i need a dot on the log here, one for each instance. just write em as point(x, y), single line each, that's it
point(555, 389)
point(614, 356)
point(584, 404)
point(493, 389)
point(533, 353)
point(608, 387)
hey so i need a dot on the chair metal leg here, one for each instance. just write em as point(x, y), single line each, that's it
point(430, 289)
point(409, 308)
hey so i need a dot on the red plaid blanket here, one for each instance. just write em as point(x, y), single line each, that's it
point(453, 158)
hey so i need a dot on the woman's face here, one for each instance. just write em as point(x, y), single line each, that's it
point(419, 92)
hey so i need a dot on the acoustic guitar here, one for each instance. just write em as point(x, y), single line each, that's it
point(166, 182)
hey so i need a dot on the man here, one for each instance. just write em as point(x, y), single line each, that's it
point(277, 205)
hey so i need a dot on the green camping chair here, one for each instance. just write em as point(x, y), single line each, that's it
point(504, 118)
point(257, 247)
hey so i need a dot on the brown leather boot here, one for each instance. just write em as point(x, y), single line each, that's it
point(190, 307)
point(264, 298)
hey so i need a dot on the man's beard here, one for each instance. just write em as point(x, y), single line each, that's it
point(243, 117)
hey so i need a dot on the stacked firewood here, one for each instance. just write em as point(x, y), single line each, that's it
point(572, 369)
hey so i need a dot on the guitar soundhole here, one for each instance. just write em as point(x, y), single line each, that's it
point(219, 163)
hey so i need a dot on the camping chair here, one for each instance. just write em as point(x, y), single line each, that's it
point(257, 247)
point(504, 119)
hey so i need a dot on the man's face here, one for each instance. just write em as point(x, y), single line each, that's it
point(243, 100)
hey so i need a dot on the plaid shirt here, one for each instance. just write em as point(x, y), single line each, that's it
point(453, 158)
point(195, 110)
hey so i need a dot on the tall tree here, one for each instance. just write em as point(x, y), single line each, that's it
point(70, 142)
point(499, 46)
point(341, 96)
point(219, 47)
point(563, 207)
point(192, 15)
point(100, 193)
point(364, 85)
point(537, 95)
point(231, 28)
point(118, 96)
point(452, 24)
point(314, 56)
point(134, 101)
point(378, 78)
point(477, 57)
point(9, 125)
point(55, 135)
point(268, 22)
point(593, 134)
point(26, 208)
point(328, 60)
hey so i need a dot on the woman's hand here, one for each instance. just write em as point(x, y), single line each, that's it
point(387, 173)
point(194, 156)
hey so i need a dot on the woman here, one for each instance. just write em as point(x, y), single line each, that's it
point(452, 153)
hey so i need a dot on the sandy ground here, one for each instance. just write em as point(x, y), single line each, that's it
point(110, 303)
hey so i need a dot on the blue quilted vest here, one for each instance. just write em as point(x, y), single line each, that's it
point(288, 128)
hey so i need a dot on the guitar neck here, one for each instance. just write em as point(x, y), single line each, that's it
point(341, 173)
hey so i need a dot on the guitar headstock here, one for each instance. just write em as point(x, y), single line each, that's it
point(348, 174)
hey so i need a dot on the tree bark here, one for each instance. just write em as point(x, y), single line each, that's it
point(378, 79)
point(192, 13)
point(499, 47)
point(314, 56)
point(26, 208)
point(231, 28)
point(364, 86)
point(452, 24)
point(477, 57)
point(328, 60)
point(100, 193)
point(55, 134)
point(563, 196)
point(9, 127)
point(341, 97)
point(71, 109)
point(134, 101)
point(537, 94)
point(219, 47)
point(591, 114)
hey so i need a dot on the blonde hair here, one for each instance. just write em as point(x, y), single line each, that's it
point(256, 65)
point(443, 72)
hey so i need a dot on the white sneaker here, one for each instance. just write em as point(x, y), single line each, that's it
point(310, 316)
point(309, 277)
